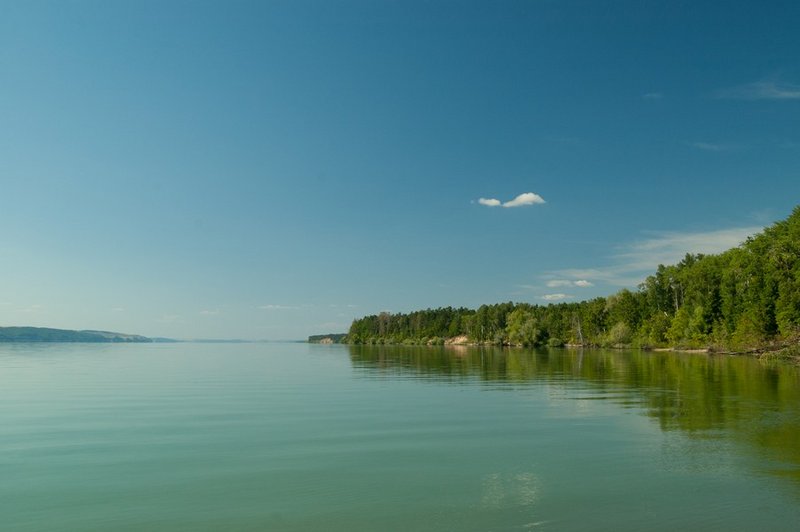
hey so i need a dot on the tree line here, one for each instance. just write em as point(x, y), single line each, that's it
point(744, 298)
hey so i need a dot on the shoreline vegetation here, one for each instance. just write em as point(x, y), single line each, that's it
point(743, 301)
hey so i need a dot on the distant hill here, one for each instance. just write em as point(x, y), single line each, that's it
point(44, 334)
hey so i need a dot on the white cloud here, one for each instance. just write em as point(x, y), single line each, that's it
point(616, 275)
point(637, 260)
point(671, 247)
point(526, 198)
point(117, 309)
point(278, 307)
point(555, 297)
point(761, 90)
point(652, 96)
point(557, 283)
point(209, 312)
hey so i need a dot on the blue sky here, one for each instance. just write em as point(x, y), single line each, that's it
point(276, 169)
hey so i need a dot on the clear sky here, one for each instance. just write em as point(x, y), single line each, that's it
point(269, 170)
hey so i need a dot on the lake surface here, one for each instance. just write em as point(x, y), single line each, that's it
point(297, 437)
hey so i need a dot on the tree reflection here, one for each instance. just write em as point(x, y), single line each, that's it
point(704, 396)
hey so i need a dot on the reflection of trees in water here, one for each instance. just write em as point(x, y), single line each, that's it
point(700, 395)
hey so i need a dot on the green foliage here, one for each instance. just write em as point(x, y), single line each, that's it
point(739, 299)
point(619, 335)
point(555, 342)
point(522, 328)
point(420, 327)
point(653, 332)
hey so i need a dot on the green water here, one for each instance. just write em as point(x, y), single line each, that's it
point(296, 437)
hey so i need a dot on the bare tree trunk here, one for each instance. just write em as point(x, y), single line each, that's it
point(580, 332)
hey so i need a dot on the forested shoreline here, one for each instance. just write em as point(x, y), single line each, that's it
point(745, 299)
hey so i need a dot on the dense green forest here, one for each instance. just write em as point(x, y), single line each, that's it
point(745, 298)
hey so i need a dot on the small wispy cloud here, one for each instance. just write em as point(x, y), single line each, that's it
point(117, 309)
point(490, 202)
point(524, 199)
point(670, 247)
point(209, 312)
point(616, 275)
point(278, 307)
point(338, 305)
point(653, 96)
point(636, 260)
point(761, 90)
point(557, 283)
point(716, 146)
point(555, 297)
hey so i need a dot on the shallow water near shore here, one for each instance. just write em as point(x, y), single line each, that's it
point(312, 437)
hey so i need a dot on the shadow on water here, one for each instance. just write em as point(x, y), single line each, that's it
point(704, 396)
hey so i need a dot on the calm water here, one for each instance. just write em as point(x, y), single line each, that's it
point(308, 437)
